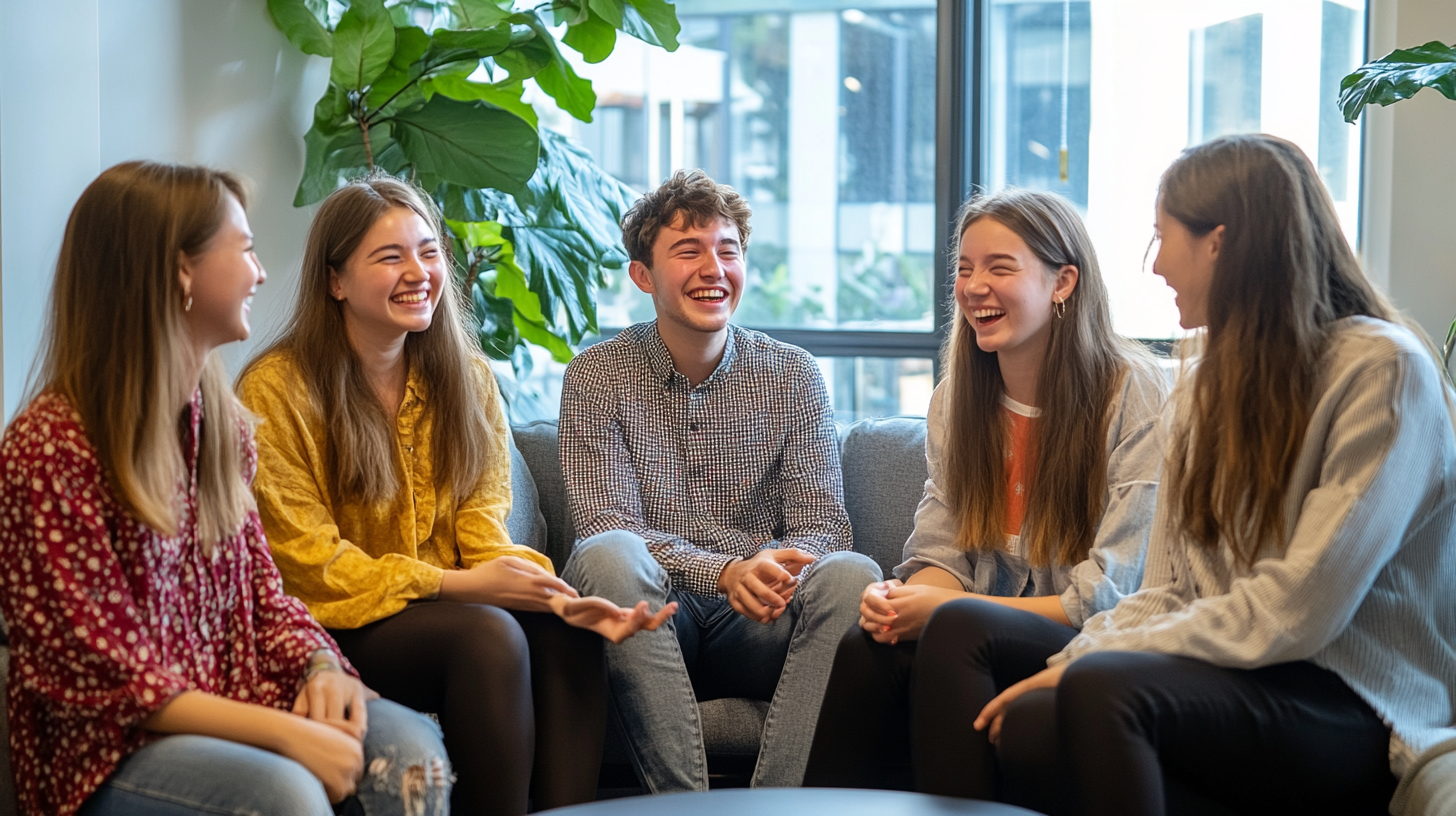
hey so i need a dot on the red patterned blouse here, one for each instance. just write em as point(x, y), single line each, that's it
point(109, 619)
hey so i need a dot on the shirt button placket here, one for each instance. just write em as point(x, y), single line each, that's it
point(697, 456)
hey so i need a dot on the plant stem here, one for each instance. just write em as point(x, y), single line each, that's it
point(368, 151)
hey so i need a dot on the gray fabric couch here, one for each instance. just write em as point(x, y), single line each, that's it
point(884, 475)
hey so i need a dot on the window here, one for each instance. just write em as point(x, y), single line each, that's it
point(1122, 86)
point(855, 129)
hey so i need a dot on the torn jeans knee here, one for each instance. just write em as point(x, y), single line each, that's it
point(406, 770)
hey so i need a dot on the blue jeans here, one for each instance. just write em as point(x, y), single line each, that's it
point(708, 651)
point(185, 775)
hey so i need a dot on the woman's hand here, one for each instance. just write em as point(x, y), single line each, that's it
point(995, 711)
point(330, 754)
point(876, 616)
point(891, 611)
point(607, 619)
point(334, 698)
point(508, 581)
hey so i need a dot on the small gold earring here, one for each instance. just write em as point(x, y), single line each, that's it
point(1061, 308)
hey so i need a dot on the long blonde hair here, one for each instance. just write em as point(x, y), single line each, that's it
point(1284, 273)
point(360, 429)
point(1086, 363)
point(117, 348)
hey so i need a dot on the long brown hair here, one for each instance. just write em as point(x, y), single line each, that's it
point(1086, 363)
point(117, 348)
point(360, 428)
point(1284, 273)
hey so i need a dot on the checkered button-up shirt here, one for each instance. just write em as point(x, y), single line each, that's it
point(747, 459)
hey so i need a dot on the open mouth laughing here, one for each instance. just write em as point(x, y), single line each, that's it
point(986, 317)
point(709, 294)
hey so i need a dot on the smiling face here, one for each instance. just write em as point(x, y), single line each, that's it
point(1004, 291)
point(1186, 262)
point(696, 277)
point(221, 280)
point(390, 284)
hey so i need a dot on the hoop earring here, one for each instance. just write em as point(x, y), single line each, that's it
point(1061, 308)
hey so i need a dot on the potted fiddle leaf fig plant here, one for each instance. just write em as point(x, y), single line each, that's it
point(1399, 75)
point(431, 90)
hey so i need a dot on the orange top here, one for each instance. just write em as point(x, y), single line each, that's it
point(1022, 419)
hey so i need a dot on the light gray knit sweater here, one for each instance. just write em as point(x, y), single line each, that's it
point(1365, 585)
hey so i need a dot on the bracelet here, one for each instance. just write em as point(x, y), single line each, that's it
point(321, 661)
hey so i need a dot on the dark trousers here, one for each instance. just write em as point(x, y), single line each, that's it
point(1142, 733)
point(917, 700)
point(521, 698)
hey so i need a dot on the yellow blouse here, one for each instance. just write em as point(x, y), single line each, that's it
point(353, 564)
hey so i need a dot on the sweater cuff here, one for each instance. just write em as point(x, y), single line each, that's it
point(423, 582)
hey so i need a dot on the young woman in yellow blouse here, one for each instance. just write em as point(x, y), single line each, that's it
point(384, 486)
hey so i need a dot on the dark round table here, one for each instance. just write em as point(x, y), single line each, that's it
point(792, 802)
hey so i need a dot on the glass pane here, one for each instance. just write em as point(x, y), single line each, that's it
point(863, 387)
point(822, 115)
point(858, 387)
point(1094, 99)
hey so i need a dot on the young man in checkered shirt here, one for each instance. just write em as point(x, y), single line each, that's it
point(702, 466)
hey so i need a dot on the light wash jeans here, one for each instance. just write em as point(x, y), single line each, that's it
point(708, 651)
point(405, 774)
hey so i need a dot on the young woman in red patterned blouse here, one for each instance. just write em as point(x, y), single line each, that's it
point(156, 664)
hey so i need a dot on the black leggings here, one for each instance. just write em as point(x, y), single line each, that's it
point(509, 688)
point(968, 652)
point(1143, 733)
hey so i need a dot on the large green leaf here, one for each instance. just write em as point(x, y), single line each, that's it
point(315, 184)
point(1399, 75)
point(558, 257)
point(332, 157)
point(608, 10)
point(470, 144)
point(557, 78)
point(652, 21)
point(569, 12)
point(594, 38)
point(410, 44)
point(526, 58)
point(470, 204)
point(481, 13)
point(302, 28)
point(505, 95)
point(363, 44)
point(485, 41)
point(510, 283)
point(496, 317)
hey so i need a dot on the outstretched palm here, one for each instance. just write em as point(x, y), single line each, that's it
point(607, 619)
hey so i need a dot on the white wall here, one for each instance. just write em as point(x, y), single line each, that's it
point(170, 80)
point(1409, 225)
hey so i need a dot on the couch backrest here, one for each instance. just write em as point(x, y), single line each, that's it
point(884, 478)
point(883, 462)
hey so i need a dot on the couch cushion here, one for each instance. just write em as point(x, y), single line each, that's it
point(525, 523)
point(538, 447)
point(733, 725)
point(884, 477)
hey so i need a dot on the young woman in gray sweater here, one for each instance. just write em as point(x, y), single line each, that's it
point(1290, 648)
point(1043, 462)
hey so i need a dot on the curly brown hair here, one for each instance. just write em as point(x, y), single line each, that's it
point(690, 196)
